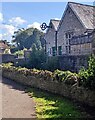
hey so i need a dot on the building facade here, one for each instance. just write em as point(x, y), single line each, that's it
point(51, 38)
point(73, 33)
point(77, 20)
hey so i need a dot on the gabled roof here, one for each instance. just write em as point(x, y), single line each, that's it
point(84, 13)
point(55, 23)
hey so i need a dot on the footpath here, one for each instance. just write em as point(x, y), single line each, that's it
point(15, 102)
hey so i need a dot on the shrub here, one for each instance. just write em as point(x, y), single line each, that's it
point(87, 77)
point(52, 63)
point(66, 76)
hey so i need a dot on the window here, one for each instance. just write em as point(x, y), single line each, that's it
point(66, 49)
point(68, 35)
point(50, 50)
point(53, 51)
point(59, 50)
point(69, 49)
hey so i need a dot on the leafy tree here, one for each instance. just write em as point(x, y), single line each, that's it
point(25, 38)
point(38, 58)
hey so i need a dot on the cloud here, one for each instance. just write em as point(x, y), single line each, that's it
point(8, 28)
point(0, 36)
point(1, 17)
point(56, 18)
point(7, 31)
point(17, 21)
point(34, 25)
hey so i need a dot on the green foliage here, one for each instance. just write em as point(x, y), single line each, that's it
point(53, 106)
point(37, 58)
point(61, 76)
point(87, 77)
point(25, 38)
point(65, 76)
point(52, 63)
point(7, 65)
point(19, 53)
point(7, 51)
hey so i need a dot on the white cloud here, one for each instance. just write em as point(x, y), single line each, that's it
point(17, 21)
point(0, 36)
point(34, 25)
point(7, 31)
point(1, 17)
point(8, 28)
point(56, 19)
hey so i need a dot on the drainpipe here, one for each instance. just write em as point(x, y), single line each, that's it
point(56, 41)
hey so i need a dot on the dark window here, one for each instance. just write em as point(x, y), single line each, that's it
point(69, 49)
point(66, 35)
point(59, 50)
point(66, 49)
point(50, 50)
point(53, 51)
point(69, 35)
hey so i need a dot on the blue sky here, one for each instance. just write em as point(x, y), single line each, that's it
point(15, 15)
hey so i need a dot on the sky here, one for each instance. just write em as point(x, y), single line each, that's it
point(17, 15)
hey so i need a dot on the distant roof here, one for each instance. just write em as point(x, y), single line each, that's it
point(3, 45)
point(85, 14)
point(55, 23)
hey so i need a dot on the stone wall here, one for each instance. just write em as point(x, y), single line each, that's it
point(73, 62)
point(5, 58)
point(73, 92)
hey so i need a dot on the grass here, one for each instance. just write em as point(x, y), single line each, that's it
point(53, 106)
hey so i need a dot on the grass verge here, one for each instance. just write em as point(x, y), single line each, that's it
point(52, 106)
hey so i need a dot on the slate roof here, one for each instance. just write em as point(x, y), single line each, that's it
point(85, 14)
point(55, 23)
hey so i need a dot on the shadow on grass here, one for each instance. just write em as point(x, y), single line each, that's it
point(52, 106)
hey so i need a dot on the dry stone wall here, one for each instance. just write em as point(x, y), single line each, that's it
point(47, 83)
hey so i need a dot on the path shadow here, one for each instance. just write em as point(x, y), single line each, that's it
point(13, 84)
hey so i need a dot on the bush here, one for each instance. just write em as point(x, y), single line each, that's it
point(65, 76)
point(87, 77)
point(52, 63)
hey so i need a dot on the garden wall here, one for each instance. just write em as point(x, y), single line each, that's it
point(44, 81)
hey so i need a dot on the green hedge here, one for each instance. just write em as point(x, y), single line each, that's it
point(60, 76)
point(85, 78)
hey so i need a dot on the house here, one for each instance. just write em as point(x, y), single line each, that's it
point(76, 27)
point(51, 37)
point(3, 46)
point(93, 42)
point(73, 40)
point(76, 24)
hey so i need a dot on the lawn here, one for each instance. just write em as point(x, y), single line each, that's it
point(53, 106)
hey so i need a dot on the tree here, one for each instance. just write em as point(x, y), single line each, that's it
point(38, 58)
point(26, 38)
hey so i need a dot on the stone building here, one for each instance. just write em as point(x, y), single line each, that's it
point(75, 25)
point(81, 45)
point(51, 37)
point(73, 40)
point(93, 42)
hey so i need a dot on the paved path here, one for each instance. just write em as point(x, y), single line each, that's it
point(15, 102)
